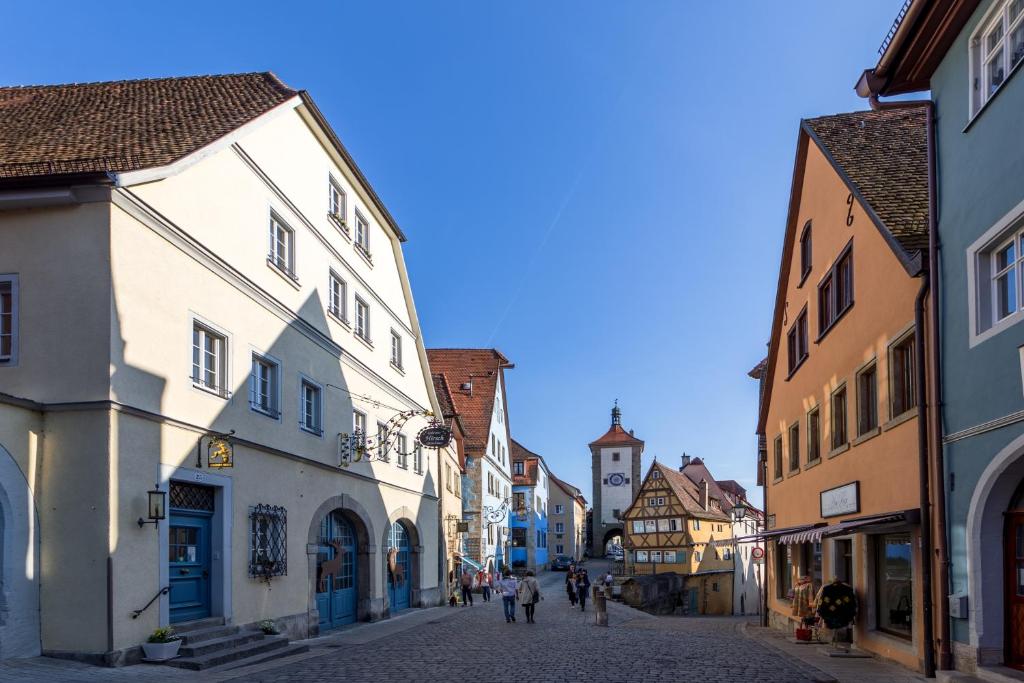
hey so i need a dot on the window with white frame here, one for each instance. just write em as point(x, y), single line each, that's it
point(696, 525)
point(265, 385)
point(1006, 268)
point(336, 203)
point(282, 246)
point(518, 467)
point(638, 526)
point(337, 296)
point(662, 525)
point(559, 549)
point(8, 319)
point(417, 459)
point(362, 320)
point(650, 526)
point(310, 407)
point(675, 524)
point(396, 349)
point(209, 359)
point(362, 234)
point(359, 429)
point(559, 527)
point(559, 509)
point(996, 48)
point(382, 437)
point(401, 451)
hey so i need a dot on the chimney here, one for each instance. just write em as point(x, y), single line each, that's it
point(686, 461)
point(631, 432)
point(704, 493)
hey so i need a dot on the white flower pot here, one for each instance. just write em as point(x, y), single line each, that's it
point(159, 652)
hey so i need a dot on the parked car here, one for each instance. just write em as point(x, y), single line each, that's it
point(615, 553)
point(561, 563)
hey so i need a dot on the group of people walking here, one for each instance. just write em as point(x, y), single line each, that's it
point(526, 591)
point(577, 585)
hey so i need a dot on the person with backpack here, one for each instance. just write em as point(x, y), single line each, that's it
point(529, 596)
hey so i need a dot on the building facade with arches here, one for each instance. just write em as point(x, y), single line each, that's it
point(238, 296)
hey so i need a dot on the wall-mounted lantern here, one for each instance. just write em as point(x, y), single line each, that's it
point(157, 509)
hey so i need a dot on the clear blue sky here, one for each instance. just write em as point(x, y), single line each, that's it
point(596, 188)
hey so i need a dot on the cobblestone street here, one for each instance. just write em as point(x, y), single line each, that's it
point(446, 644)
point(564, 645)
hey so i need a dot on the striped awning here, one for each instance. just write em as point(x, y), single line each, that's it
point(468, 561)
point(849, 526)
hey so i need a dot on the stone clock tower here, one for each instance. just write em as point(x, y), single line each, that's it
point(616, 471)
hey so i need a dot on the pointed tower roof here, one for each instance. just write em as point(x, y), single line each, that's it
point(616, 435)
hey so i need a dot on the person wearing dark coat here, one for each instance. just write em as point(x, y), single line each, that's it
point(582, 588)
point(570, 587)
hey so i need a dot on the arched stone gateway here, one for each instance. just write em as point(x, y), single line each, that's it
point(19, 563)
point(342, 580)
point(995, 517)
point(611, 537)
point(403, 554)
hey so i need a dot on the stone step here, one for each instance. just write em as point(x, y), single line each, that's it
point(197, 624)
point(205, 646)
point(208, 633)
point(280, 653)
point(235, 654)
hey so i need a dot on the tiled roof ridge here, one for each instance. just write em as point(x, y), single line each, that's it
point(270, 75)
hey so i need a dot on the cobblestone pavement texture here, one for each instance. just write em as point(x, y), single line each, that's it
point(475, 643)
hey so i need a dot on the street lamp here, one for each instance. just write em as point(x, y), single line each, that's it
point(157, 508)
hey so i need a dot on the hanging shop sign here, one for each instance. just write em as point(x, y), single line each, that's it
point(435, 436)
point(220, 451)
point(842, 500)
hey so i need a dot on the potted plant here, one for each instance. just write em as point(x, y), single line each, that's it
point(162, 645)
point(269, 627)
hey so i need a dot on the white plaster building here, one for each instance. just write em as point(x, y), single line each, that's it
point(194, 256)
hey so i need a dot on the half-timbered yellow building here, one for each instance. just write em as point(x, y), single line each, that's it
point(677, 525)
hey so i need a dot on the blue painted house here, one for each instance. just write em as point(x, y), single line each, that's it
point(968, 55)
point(528, 519)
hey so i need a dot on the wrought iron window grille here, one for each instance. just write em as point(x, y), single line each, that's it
point(268, 541)
point(212, 388)
point(269, 412)
point(186, 496)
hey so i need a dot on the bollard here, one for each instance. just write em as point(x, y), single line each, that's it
point(600, 606)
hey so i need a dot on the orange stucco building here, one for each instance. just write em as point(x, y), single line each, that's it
point(839, 410)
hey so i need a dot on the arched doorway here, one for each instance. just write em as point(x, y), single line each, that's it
point(1013, 562)
point(399, 568)
point(336, 572)
point(19, 563)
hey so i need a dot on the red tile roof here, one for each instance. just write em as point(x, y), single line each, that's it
point(884, 154)
point(125, 125)
point(688, 493)
point(616, 436)
point(480, 369)
point(569, 489)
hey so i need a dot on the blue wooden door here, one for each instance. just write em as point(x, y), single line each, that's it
point(336, 591)
point(189, 565)
point(693, 601)
point(399, 580)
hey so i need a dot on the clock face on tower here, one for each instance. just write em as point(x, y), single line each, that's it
point(617, 479)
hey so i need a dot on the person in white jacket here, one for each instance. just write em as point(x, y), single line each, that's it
point(529, 595)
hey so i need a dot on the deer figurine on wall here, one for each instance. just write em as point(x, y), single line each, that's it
point(332, 566)
point(397, 570)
